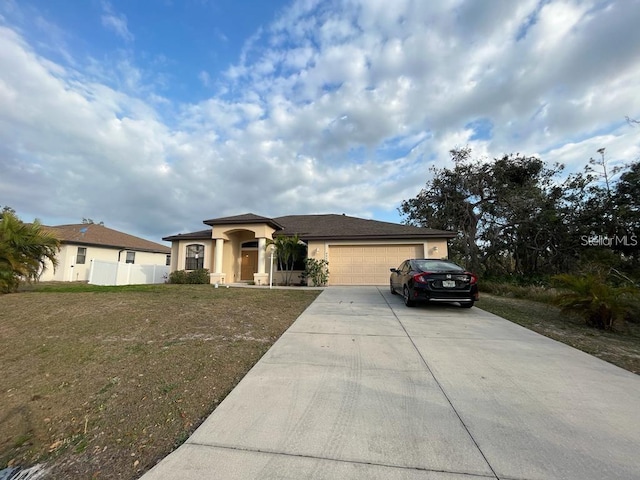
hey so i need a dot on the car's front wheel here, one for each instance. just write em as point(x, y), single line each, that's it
point(467, 304)
point(407, 297)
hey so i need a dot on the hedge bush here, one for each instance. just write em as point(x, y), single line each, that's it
point(192, 277)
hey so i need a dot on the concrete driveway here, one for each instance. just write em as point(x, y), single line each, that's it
point(362, 387)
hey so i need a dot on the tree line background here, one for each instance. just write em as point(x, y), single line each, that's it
point(520, 218)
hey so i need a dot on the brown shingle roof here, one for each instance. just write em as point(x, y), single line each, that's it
point(331, 226)
point(98, 235)
point(324, 227)
point(201, 235)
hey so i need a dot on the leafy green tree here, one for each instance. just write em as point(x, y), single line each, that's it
point(600, 199)
point(24, 250)
point(90, 221)
point(451, 200)
point(505, 212)
point(627, 198)
point(514, 216)
point(627, 195)
point(604, 215)
point(7, 209)
point(521, 226)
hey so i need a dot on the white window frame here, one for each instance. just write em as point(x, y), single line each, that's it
point(198, 256)
point(82, 255)
point(131, 257)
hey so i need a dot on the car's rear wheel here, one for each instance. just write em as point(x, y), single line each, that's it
point(467, 304)
point(393, 290)
point(407, 297)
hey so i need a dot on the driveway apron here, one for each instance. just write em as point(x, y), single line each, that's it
point(362, 387)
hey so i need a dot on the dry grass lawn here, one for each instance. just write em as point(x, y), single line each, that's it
point(102, 382)
point(622, 348)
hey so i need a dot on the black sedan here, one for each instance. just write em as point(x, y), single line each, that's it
point(431, 280)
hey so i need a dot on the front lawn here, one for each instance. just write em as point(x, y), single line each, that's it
point(102, 382)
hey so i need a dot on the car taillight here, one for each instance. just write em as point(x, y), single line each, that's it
point(420, 277)
point(474, 279)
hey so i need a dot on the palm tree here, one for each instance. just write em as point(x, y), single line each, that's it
point(600, 304)
point(288, 250)
point(24, 251)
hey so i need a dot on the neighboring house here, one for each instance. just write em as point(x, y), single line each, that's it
point(359, 251)
point(82, 243)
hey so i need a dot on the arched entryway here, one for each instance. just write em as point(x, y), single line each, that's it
point(241, 249)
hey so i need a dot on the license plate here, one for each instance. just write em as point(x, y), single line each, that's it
point(448, 283)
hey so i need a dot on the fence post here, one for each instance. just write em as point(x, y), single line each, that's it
point(91, 271)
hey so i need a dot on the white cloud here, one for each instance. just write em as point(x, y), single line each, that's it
point(339, 106)
point(116, 22)
point(205, 78)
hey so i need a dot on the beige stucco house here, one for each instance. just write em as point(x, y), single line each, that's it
point(82, 243)
point(359, 251)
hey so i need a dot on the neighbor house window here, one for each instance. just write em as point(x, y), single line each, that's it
point(81, 256)
point(131, 257)
point(168, 261)
point(195, 257)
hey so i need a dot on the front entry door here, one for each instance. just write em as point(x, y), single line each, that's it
point(249, 264)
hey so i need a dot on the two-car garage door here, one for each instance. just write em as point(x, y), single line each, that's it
point(367, 264)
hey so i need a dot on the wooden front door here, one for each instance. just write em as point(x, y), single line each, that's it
point(249, 264)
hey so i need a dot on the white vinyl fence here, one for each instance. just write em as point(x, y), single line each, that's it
point(119, 273)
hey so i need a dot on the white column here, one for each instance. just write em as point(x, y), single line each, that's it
point(262, 248)
point(218, 259)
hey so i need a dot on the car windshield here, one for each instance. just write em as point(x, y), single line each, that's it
point(437, 266)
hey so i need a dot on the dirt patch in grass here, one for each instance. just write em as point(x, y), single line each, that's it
point(620, 348)
point(104, 383)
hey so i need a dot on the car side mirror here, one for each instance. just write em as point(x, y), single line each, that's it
point(394, 270)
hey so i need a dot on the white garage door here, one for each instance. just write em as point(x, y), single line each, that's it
point(367, 264)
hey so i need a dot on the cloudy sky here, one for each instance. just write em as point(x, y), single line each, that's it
point(153, 115)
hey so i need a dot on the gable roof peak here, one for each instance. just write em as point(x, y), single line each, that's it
point(244, 219)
